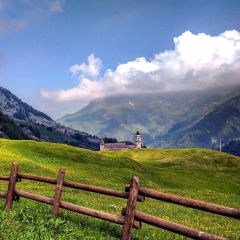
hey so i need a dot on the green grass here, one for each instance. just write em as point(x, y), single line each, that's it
point(197, 173)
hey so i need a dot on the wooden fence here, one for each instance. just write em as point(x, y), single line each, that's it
point(129, 218)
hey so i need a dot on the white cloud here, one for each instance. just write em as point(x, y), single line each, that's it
point(91, 69)
point(197, 61)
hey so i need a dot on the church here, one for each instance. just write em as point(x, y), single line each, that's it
point(122, 145)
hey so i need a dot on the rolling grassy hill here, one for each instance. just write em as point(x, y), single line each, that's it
point(198, 173)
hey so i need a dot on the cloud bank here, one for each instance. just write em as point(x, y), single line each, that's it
point(197, 61)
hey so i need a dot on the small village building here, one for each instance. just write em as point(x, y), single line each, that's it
point(122, 145)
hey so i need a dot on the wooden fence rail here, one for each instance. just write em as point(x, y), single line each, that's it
point(173, 227)
point(130, 217)
point(4, 178)
point(80, 186)
point(75, 208)
point(188, 202)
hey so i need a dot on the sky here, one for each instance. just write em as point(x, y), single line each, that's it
point(58, 55)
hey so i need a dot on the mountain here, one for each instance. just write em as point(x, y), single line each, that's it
point(233, 147)
point(164, 119)
point(223, 120)
point(9, 129)
point(15, 108)
point(26, 122)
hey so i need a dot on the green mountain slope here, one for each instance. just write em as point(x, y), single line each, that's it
point(164, 119)
point(224, 119)
point(198, 173)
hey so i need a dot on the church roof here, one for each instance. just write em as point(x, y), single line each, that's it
point(118, 146)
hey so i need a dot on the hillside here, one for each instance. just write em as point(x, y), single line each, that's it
point(198, 173)
point(233, 147)
point(38, 126)
point(223, 119)
point(17, 109)
point(175, 119)
point(9, 129)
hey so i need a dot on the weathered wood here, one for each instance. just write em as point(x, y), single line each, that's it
point(130, 210)
point(4, 178)
point(3, 194)
point(174, 227)
point(100, 190)
point(11, 187)
point(81, 186)
point(33, 196)
point(97, 214)
point(77, 209)
point(37, 178)
point(58, 192)
point(187, 202)
point(131, 218)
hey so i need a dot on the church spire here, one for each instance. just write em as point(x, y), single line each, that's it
point(138, 140)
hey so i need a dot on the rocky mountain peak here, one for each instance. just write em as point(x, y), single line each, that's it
point(33, 124)
point(15, 108)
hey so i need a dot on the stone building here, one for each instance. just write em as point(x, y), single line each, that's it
point(122, 145)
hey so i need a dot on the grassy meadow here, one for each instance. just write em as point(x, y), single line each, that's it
point(197, 173)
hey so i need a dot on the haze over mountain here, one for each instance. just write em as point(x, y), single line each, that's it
point(176, 119)
point(196, 62)
point(18, 120)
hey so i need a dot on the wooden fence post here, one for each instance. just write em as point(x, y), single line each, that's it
point(130, 210)
point(58, 192)
point(11, 187)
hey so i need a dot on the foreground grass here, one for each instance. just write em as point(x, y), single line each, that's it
point(198, 173)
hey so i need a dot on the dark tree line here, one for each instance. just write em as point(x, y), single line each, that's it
point(10, 128)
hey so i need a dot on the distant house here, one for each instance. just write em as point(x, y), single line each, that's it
point(122, 145)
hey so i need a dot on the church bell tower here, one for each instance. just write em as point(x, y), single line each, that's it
point(102, 145)
point(138, 140)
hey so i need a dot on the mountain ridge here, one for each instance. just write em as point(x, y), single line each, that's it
point(157, 116)
point(15, 108)
point(222, 120)
point(38, 126)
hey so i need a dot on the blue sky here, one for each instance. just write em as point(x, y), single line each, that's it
point(41, 40)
